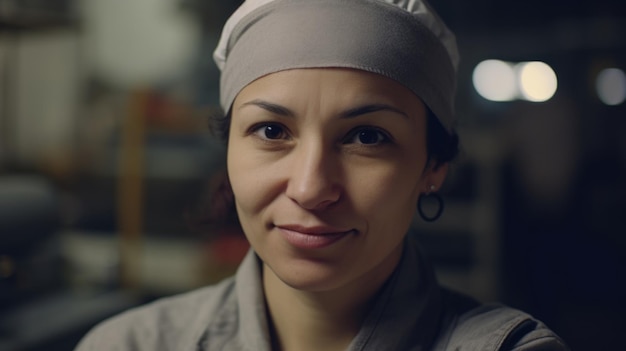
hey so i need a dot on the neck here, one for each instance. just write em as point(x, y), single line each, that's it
point(319, 320)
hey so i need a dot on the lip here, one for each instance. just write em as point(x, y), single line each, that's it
point(312, 237)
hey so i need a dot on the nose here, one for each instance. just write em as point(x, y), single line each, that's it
point(313, 183)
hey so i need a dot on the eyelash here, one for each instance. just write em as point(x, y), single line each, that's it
point(257, 128)
point(382, 136)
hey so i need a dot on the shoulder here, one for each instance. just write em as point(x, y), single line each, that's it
point(497, 327)
point(473, 326)
point(165, 324)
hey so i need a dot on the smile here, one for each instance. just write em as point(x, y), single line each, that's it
point(312, 237)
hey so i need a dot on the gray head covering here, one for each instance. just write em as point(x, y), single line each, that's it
point(404, 40)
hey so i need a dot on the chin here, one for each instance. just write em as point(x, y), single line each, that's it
point(309, 276)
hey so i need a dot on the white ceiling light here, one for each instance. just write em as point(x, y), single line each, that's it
point(537, 81)
point(495, 80)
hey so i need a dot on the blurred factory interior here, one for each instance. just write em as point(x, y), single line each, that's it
point(110, 179)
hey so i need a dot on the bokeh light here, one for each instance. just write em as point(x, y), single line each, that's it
point(537, 81)
point(495, 80)
point(611, 86)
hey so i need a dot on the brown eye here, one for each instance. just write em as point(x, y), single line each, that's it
point(270, 131)
point(367, 136)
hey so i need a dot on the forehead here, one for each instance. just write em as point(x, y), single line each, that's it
point(329, 86)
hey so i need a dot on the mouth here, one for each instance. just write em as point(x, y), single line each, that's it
point(313, 237)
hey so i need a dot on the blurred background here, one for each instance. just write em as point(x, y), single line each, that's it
point(110, 182)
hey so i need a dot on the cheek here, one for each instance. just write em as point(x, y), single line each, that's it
point(240, 180)
point(244, 190)
point(253, 180)
point(387, 195)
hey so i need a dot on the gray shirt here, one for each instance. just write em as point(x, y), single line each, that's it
point(412, 312)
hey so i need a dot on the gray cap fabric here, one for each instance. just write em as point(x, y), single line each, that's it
point(404, 40)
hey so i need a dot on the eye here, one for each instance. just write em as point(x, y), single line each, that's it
point(270, 131)
point(367, 136)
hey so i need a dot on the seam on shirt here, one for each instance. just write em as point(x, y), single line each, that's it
point(517, 333)
point(553, 337)
point(508, 330)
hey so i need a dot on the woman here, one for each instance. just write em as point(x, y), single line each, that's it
point(339, 119)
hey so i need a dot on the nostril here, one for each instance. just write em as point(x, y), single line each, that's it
point(316, 197)
point(325, 204)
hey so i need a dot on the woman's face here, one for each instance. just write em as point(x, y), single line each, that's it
point(326, 166)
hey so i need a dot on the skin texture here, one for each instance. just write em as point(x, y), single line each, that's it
point(318, 151)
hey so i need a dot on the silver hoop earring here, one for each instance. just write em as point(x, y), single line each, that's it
point(432, 197)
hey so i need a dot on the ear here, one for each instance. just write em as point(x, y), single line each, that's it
point(434, 176)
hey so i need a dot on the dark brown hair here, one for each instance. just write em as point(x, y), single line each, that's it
point(442, 146)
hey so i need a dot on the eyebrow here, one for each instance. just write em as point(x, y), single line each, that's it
point(350, 113)
point(371, 108)
point(271, 107)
